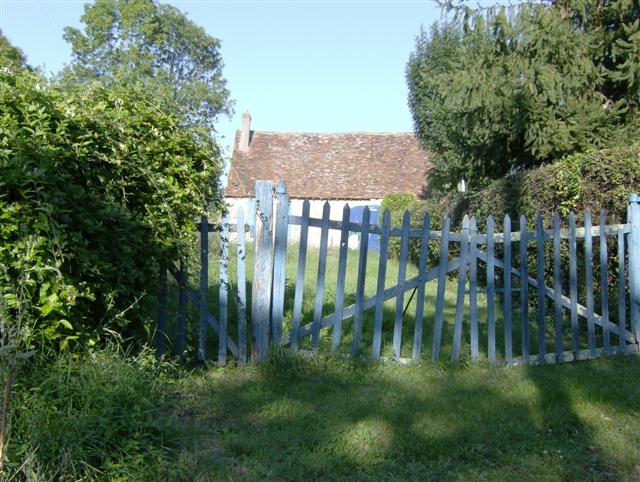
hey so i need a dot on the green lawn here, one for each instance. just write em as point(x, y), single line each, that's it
point(106, 416)
point(322, 419)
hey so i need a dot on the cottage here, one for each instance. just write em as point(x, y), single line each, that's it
point(355, 168)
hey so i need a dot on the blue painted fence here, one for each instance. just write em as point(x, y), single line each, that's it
point(499, 306)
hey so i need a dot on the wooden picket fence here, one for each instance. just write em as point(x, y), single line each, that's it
point(504, 310)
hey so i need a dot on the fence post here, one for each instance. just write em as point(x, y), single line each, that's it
point(162, 313)
point(279, 262)
point(204, 287)
point(262, 270)
point(634, 262)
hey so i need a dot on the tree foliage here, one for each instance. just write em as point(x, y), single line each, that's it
point(492, 92)
point(153, 45)
point(11, 56)
point(98, 188)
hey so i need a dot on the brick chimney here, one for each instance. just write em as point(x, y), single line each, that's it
point(245, 132)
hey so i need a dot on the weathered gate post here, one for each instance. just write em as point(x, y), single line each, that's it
point(634, 262)
point(262, 271)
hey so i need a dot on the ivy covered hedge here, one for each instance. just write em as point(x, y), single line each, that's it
point(596, 180)
point(98, 187)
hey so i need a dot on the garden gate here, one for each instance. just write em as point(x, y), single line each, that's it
point(500, 304)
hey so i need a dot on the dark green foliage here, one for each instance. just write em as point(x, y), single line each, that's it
point(397, 204)
point(596, 180)
point(511, 89)
point(154, 46)
point(98, 188)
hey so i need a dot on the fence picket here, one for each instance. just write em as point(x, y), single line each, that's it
point(182, 313)
point(223, 295)
point(302, 262)
point(242, 288)
point(491, 316)
point(422, 269)
point(473, 287)
point(362, 276)
point(557, 290)
point(204, 287)
point(633, 248)
point(382, 274)
point(161, 331)
point(442, 278)
point(573, 286)
point(322, 268)
point(541, 302)
point(507, 300)
point(462, 280)
point(622, 312)
point(262, 270)
point(524, 290)
point(604, 286)
point(279, 262)
point(474, 248)
point(588, 271)
point(342, 272)
point(402, 273)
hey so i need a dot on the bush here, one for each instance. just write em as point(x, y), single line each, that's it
point(98, 188)
point(597, 180)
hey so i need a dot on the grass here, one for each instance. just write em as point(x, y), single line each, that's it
point(111, 417)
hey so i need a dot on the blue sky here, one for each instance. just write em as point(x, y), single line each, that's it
point(303, 66)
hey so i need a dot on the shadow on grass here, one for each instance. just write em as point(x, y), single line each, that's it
point(328, 419)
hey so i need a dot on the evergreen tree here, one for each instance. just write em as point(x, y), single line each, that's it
point(506, 89)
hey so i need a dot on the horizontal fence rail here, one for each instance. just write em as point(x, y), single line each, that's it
point(509, 291)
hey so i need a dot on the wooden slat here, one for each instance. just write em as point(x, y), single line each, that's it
point(204, 288)
point(402, 271)
point(242, 289)
point(262, 270)
point(491, 315)
point(473, 288)
point(568, 356)
point(382, 274)
point(462, 280)
point(362, 276)
point(342, 274)
point(622, 308)
point(507, 301)
point(588, 270)
point(223, 292)
point(541, 302)
point(557, 290)
point(279, 262)
point(633, 248)
point(524, 290)
point(442, 278)
point(302, 263)
point(573, 285)
point(161, 332)
point(182, 314)
point(322, 269)
point(604, 285)
point(422, 269)
point(610, 230)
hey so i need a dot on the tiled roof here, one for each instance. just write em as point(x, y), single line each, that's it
point(330, 166)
